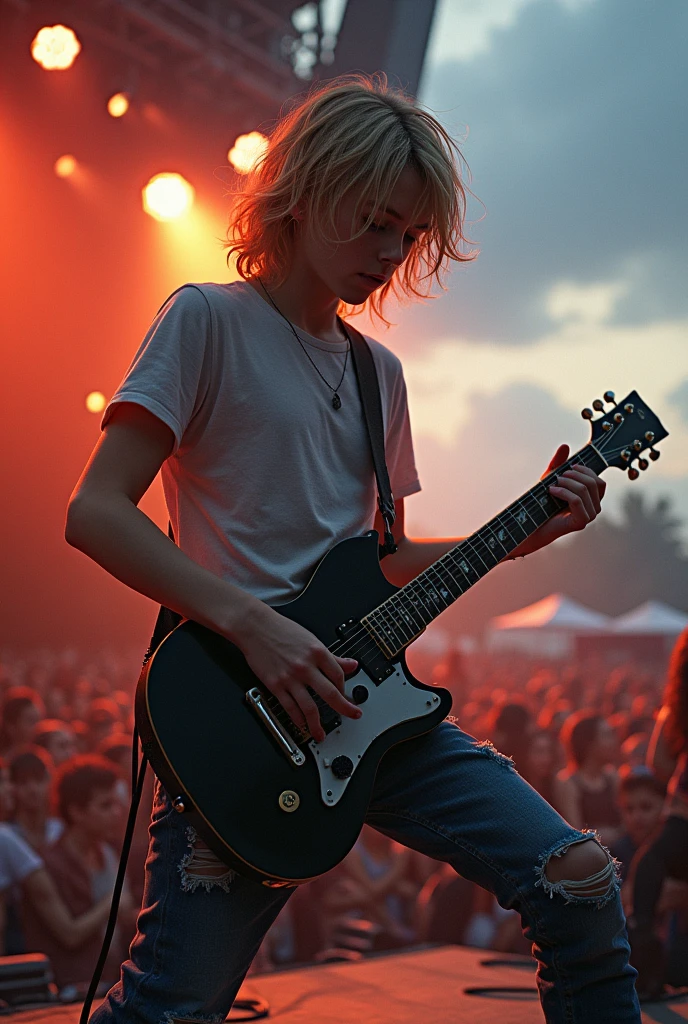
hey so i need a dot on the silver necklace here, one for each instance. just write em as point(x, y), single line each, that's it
point(336, 400)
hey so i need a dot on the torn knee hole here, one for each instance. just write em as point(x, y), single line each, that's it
point(200, 866)
point(488, 748)
point(580, 872)
point(204, 862)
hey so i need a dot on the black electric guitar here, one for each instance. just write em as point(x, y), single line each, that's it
point(271, 802)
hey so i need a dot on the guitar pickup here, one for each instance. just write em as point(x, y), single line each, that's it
point(329, 718)
point(373, 662)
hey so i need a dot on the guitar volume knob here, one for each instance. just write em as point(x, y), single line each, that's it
point(342, 767)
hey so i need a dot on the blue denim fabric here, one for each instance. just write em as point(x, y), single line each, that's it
point(443, 794)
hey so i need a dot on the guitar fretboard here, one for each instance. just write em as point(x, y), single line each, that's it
point(402, 617)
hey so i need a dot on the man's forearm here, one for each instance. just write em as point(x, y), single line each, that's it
point(124, 541)
point(414, 556)
point(70, 931)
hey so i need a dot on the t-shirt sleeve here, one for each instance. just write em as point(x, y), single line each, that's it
point(170, 373)
point(17, 859)
point(401, 462)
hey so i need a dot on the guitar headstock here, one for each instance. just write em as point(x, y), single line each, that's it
point(625, 432)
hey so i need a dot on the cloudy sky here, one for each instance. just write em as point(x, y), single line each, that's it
point(572, 117)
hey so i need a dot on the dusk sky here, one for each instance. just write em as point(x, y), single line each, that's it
point(572, 117)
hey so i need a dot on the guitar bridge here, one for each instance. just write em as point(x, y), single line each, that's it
point(373, 662)
point(256, 701)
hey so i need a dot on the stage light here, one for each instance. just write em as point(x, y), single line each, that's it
point(65, 166)
point(167, 196)
point(55, 47)
point(118, 104)
point(96, 401)
point(246, 151)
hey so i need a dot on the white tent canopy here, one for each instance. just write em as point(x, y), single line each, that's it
point(653, 618)
point(547, 627)
point(554, 612)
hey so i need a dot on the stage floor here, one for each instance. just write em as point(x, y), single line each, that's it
point(435, 985)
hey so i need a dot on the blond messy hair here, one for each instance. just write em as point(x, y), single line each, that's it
point(352, 132)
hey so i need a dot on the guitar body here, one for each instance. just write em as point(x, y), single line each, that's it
point(268, 817)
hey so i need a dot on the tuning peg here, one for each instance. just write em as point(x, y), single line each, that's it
point(598, 405)
point(649, 436)
point(618, 418)
point(587, 414)
point(643, 463)
point(633, 474)
point(609, 397)
point(628, 407)
point(654, 454)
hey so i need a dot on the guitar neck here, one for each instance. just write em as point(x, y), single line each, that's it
point(404, 615)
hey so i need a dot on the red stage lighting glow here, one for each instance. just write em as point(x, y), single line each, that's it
point(167, 196)
point(246, 151)
point(55, 47)
point(96, 401)
point(118, 104)
point(65, 166)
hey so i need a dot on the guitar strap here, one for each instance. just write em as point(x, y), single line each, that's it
point(369, 388)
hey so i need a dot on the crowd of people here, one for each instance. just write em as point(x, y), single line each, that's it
point(587, 737)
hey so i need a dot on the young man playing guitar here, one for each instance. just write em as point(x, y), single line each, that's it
point(243, 395)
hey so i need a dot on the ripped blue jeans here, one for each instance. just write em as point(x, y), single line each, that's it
point(443, 794)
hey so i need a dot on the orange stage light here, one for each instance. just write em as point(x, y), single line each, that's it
point(167, 196)
point(118, 104)
point(246, 151)
point(96, 401)
point(55, 47)
point(65, 166)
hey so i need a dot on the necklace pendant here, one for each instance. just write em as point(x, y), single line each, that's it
point(336, 401)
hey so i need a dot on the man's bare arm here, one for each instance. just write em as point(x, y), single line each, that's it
point(47, 903)
point(104, 521)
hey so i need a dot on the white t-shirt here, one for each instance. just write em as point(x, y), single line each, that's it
point(17, 859)
point(265, 476)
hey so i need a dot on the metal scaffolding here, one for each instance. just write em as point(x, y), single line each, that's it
point(226, 55)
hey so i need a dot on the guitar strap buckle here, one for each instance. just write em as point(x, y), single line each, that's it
point(388, 514)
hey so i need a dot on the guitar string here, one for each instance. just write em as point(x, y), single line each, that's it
point(588, 452)
point(366, 642)
point(449, 557)
point(364, 635)
point(471, 542)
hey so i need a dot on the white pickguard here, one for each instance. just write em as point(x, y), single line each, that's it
point(393, 701)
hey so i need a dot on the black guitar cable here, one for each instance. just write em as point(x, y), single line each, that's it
point(254, 1008)
point(138, 774)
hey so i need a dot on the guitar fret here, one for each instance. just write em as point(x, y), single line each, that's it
point(533, 510)
point(515, 523)
point(399, 619)
point(420, 602)
point(496, 540)
point(483, 551)
point(396, 614)
point(446, 589)
point(393, 629)
point(433, 594)
point(380, 633)
point(399, 602)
